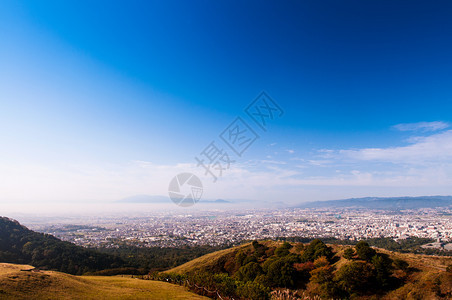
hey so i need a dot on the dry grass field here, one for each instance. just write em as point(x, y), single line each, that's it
point(18, 282)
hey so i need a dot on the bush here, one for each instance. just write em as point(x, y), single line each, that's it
point(283, 250)
point(249, 272)
point(253, 290)
point(400, 264)
point(355, 277)
point(316, 249)
point(383, 269)
point(349, 253)
point(364, 251)
point(282, 273)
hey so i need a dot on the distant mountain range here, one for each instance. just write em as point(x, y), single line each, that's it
point(390, 203)
point(145, 199)
point(162, 199)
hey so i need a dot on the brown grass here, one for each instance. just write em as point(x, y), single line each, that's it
point(18, 284)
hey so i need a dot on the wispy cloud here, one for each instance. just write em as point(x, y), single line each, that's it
point(433, 148)
point(422, 126)
point(274, 162)
point(320, 162)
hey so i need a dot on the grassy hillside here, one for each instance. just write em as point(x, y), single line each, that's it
point(17, 283)
point(419, 261)
point(389, 275)
point(209, 261)
point(205, 261)
point(427, 278)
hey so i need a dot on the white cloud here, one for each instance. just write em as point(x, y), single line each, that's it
point(422, 126)
point(320, 162)
point(434, 148)
point(274, 162)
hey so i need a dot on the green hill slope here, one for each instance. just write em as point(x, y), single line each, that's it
point(206, 261)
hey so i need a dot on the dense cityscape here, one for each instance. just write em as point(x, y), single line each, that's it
point(232, 227)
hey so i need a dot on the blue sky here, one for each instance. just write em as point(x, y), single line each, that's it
point(106, 99)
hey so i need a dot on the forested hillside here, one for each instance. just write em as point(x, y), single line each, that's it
point(317, 270)
point(20, 245)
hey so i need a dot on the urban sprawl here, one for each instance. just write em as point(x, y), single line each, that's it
point(232, 227)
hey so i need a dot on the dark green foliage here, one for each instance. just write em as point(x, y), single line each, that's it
point(355, 277)
point(240, 258)
point(280, 271)
point(268, 262)
point(316, 249)
point(225, 285)
point(248, 259)
point(283, 250)
point(364, 251)
point(158, 258)
point(20, 245)
point(312, 271)
point(249, 272)
point(253, 290)
point(299, 247)
point(383, 269)
point(322, 284)
point(411, 244)
point(259, 249)
point(255, 244)
point(400, 264)
point(349, 253)
point(401, 245)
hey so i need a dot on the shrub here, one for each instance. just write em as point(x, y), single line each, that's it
point(249, 272)
point(349, 253)
point(364, 251)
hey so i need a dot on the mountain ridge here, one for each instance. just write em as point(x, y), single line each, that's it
point(389, 203)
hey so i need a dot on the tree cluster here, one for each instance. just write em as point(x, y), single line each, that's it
point(20, 245)
point(259, 268)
